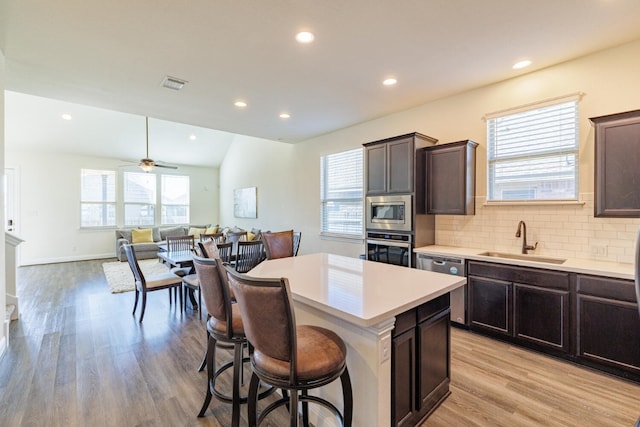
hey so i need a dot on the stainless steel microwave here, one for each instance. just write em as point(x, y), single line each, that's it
point(393, 212)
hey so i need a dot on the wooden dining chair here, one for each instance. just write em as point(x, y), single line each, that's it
point(180, 243)
point(144, 284)
point(279, 244)
point(249, 255)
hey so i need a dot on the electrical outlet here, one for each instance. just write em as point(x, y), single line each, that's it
point(385, 349)
point(599, 251)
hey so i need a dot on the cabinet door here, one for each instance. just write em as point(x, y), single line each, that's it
point(400, 166)
point(403, 386)
point(617, 157)
point(490, 305)
point(376, 170)
point(542, 316)
point(434, 346)
point(609, 332)
point(446, 192)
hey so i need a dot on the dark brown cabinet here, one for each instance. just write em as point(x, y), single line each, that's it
point(617, 156)
point(526, 305)
point(391, 163)
point(420, 362)
point(450, 178)
point(608, 326)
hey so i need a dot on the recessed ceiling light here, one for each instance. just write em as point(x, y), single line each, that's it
point(305, 37)
point(240, 104)
point(192, 137)
point(389, 82)
point(67, 116)
point(285, 115)
point(521, 64)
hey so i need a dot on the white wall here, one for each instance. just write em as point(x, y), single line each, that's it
point(3, 285)
point(611, 84)
point(268, 166)
point(49, 211)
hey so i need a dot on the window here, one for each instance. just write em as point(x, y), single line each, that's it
point(97, 198)
point(139, 198)
point(341, 193)
point(174, 203)
point(532, 154)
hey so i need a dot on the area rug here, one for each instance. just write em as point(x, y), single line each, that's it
point(120, 278)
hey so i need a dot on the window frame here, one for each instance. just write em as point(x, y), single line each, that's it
point(104, 203)
point(326, 199)
point(126, 203)
point(562, 148)
point(161, 195)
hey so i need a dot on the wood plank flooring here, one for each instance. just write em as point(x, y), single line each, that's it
point(78, 358)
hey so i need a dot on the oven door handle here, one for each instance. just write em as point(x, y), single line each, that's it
point(389, 243)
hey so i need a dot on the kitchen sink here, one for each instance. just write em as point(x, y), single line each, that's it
point(523, 257)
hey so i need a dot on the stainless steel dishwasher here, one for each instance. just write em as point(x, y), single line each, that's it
point(448, 265)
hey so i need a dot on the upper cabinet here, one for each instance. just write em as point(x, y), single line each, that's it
point(391, 163)
point(450, 178)
point(617, 156)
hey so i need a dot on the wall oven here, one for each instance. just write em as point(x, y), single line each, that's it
point(390, 248)
point(392, 212)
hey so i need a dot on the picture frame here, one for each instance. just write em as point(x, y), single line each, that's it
point(245, 202)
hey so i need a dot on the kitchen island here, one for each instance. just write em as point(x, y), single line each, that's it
point(360, 300)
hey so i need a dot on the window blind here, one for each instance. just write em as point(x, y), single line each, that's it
point(97, 198)
point(533, 154)
point(341, 203)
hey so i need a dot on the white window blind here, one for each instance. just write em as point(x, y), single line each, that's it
point(532, 154)
point(174, 199)
point(139, 198)
point(341, 193)
point(97, 198)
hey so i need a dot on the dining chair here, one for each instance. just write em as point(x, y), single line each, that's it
point(217, 237)
point(144, 284)
point(180, 243)
point(235, 237)
point(249, 255)
point(209, 249)
point(297, 236)
point(224, 325)
point(294, 358)
point(278, 244)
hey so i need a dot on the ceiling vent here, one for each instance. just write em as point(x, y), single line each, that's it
point(173, 83)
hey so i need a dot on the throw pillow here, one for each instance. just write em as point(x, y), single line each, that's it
point(141, 235)
point(250, 236)
point(196, 232)
point(212, 230)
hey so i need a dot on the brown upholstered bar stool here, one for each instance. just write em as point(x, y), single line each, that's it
point(278, 244)
point(224, 325)
point(284, 355)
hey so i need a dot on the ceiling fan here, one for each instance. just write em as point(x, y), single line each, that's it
point(148, 164)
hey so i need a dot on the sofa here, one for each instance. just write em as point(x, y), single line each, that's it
point(147, 240)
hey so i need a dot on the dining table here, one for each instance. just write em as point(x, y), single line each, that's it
point(182, 260)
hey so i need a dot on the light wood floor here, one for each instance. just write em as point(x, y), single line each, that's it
point(78, 358)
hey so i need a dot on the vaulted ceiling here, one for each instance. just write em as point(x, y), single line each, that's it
point(113, 55)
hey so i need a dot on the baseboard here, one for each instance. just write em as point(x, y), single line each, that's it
point(67, 259)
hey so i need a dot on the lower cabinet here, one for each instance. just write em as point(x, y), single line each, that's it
point(608, 325)
point(525, 305)
point(420, 362)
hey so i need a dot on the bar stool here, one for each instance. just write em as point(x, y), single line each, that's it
point(224, 325)
point(283, 355)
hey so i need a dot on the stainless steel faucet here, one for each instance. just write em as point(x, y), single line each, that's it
point(522, 226)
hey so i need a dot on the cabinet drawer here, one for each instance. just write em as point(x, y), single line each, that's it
point(404, 322)
point(618, 289)
point(431, 308)
point(528, 276)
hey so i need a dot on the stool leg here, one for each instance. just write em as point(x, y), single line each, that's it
point(210, 357)
point(305, 409)
point(347, 398)
point(204, 358)
point(252, 401)
point(237, 368)
point(293, 409)
point(199, 304)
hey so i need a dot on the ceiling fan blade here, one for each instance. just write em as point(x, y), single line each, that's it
point(165, 166)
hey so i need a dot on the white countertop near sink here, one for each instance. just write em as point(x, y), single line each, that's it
point(575, 265)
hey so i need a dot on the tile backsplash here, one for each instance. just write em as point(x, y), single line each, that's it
point(561, 230)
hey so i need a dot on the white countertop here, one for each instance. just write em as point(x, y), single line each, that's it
point(575, 265)
point(362, 292)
